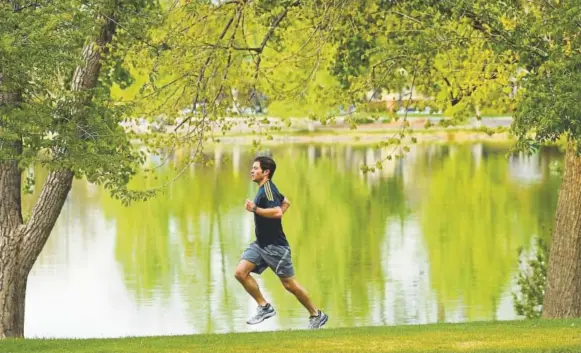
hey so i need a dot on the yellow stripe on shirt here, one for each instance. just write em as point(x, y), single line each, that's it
point(268, 191)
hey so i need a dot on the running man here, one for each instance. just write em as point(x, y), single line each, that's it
point(271, 248)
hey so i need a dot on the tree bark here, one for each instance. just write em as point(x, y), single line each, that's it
point(10, 184)
point(21, 243)
point(563, 295)
point(12, 290)
point(86, 75)
point(11, 286)
point(44, 216)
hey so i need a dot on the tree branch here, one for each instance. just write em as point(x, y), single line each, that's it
point(58, 184)
point(44, 214)
point(266, 38)
point(274, 25)
point(201, 75)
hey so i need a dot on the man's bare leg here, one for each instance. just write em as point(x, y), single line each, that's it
point(264, 309)
point(291, 284)
point(243, 276)
point(317, 318)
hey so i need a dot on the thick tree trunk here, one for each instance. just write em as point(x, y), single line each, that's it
point(563, 295)
point(21, 243)
point(12, 292)
point(11, 286)
point(10, 183)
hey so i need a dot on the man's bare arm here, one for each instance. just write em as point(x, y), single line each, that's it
point(274, 212)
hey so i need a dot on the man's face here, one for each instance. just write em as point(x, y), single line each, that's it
point(257, 173)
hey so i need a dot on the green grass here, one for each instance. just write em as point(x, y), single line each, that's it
point(531, 336)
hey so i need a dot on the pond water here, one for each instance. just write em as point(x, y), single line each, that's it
point(433, 237)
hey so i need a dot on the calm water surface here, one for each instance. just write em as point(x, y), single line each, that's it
point(433, 237)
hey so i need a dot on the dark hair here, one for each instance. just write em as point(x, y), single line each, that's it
point(266, 163)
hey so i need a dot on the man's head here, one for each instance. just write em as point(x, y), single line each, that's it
point(262, 168)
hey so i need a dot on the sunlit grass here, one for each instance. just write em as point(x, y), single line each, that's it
point(511, 336)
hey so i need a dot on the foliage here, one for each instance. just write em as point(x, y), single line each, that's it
point(321, 60)
point(189, 65)
point(549, 106)
point(41, 46)
point(532, 280)
point(531, 46)
point(38, 52)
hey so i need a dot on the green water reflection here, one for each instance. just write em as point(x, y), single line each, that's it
point(432, 237)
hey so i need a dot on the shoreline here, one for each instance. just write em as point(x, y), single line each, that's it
point(305, 131)
point(366, 138)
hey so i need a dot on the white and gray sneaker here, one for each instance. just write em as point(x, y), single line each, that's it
point(318, 321)
point(262, 313)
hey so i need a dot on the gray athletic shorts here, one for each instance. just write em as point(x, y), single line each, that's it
point(277, 257)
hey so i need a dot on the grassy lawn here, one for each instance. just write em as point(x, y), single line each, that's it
point(529, 336)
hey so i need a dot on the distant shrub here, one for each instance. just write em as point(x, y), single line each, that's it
point(362, 120)
point(532, 281)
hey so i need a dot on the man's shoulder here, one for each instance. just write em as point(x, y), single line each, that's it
point(270, 188)
point(271, 185)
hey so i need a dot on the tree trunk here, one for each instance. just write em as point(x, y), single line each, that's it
point(21, 243)
point(12, 293)
point(11, 286)
point(563, 296)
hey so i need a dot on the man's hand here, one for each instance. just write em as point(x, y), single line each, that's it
point(274, 212)
point(249, 206)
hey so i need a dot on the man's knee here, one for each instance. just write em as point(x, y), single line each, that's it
point(241, 274)
point(243, 270)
